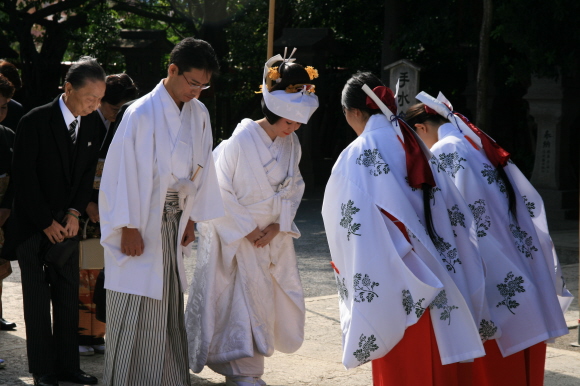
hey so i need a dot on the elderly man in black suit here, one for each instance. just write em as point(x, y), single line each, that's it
point(55, 156)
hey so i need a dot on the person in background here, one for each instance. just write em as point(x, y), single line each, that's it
point(6, 188)
point(55, 156)
point(159, 179)
point(120, 89)
point(15, 109)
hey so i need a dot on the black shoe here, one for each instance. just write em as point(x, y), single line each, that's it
point(79, 377)
point(45, 380)
point(6, 325)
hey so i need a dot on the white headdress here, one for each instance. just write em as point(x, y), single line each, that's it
point(444, 108)
point(297, 106)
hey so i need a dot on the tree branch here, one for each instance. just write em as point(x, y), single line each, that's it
point(56, 8)
point(141, 11)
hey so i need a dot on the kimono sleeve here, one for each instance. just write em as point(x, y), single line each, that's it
point(290, 204)
point(120, 193)
point(380, 294)
point(237, 222)
point(207, 204)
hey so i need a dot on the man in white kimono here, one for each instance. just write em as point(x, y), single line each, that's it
point(246, 298)
point(159, 179)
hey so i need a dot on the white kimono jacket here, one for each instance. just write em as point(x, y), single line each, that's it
point(142, 164)
point(519, 277)
point(242, 295)
point(385, 283)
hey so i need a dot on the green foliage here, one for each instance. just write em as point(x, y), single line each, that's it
point(96, 38)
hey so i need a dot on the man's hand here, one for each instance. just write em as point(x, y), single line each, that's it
point(269, 233)
point(131, 242)
point(188, 233)
point(71, 227)
point(93, 212)
point(4, 214)
point(254, 235)
point(55, 232)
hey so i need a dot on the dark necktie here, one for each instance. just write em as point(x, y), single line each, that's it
point(71, 130)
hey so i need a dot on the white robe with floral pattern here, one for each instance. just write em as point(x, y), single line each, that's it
point(385, 282)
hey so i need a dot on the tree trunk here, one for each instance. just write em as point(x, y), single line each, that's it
point(483, 66)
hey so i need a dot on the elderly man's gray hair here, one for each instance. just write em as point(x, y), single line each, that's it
point(86, 68)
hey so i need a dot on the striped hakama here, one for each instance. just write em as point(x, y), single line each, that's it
point(146, 343)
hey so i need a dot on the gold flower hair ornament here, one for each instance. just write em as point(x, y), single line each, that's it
point(306, 88)
point(273, 73)
point(312, 72)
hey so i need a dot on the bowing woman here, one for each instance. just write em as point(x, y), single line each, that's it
point(246, 299)
point(410, 281)
point(514, 243)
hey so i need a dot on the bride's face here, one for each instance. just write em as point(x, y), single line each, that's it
point(284, 127)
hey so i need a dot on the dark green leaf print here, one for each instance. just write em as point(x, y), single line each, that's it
point(508, 289)
point(364, 288)
point(455, 216)
point(492, 176)
point(409, 305)
point(438, 167)
point(481, 219)
point(441, 303)
point(372, 159)
point(432, 193)
point(348, 210)
point(342, 290)
point(366, 346)
point(449, 256)
point(451, 162)
point(524, 243)
point(530, 205)
point(487, 329)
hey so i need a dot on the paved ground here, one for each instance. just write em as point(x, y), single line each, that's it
point(318, 362)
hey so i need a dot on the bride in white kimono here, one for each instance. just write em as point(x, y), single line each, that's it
point(246, 297)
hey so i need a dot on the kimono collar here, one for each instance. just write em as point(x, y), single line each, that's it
point(445, 130)
point(169, 104)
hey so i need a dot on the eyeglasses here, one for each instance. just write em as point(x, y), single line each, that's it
point(196, 86)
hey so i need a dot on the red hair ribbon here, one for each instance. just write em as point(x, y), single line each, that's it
point(430, 111)
point(418, 170)
point(386, 96)
point(495, 153)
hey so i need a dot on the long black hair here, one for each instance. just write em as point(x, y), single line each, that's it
point(417, 114)
point(354, 97)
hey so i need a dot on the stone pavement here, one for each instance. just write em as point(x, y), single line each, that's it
point(318, 361)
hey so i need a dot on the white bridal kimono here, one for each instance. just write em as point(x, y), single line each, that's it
point(385, 283)
point(517, 254)
point(246, 300)
point(143, 162)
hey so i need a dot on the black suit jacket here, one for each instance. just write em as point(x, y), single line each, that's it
point(50, 174)
point(6, 147)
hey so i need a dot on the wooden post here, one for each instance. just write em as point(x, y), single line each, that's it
point(270, 51)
